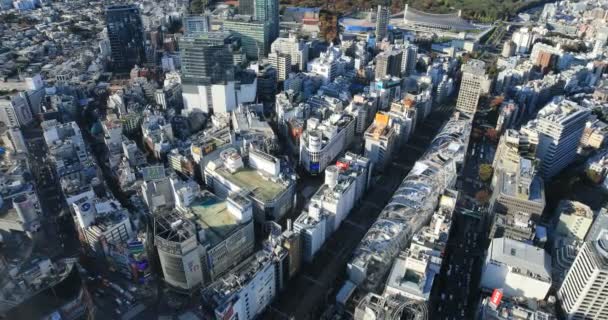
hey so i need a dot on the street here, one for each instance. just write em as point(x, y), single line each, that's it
point(316, 284)
point(455, 293)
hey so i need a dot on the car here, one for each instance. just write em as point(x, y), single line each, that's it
point(443, 296)
point(451, 297)
point(462, 313)
point(117, 311)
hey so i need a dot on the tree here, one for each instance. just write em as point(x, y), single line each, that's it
point(492, 134)
point(594, 176)
point(482, 196)
point(485, 172)
point(198, 6)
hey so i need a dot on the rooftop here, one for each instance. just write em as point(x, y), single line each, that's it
point(212, 215)
point(251, 180)
point(523, 258)
point(575, 208)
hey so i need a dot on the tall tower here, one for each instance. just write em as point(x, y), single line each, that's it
point(382, 18)
point(126, 34)
point(473, 74)
point(583, 292)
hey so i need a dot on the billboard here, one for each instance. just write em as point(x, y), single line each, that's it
point(496, 297)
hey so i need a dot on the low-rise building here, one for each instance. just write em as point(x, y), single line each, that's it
point(575, 219)
point(250, 287)
point(261, 180)
point(414, 270)
point(345, 184)
point(323, 141)
point(520, 269)
point(203, 237)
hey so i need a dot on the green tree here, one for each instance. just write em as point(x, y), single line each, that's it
point(198, 6)
point(485, 172)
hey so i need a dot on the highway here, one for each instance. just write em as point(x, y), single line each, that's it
point(315, 286)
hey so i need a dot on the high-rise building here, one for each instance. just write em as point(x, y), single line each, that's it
point(410, 58)
point(583, 292)
point(15, 112)
point(599, 228)
point(388, 63)
point(196, 24)
point(473, 75)
point(246, 7)
point(268, 11)
point(206, 58)
point(281, 62)
point(255, 35)
point(126, 34)
point(382, 18)
point(560, 126)
point(296, 48)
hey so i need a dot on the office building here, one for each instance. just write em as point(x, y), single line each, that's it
point(282, 63)
point(560, 125)
point(497, 307)
point(518, 268)
point(583, 293)
point(15, 111)
point(380, 141)
point(518, 189)
point(296, 48)
point(203, 237)
point(330, 64)
point(410, 58)
point(100, 222)
point(523, 39)
point(196, 24)
point(126, 34)
point(382, 18)
point(388, 63)
point(254, 35)
point(246, 291)
point(268, 11)
point(260, 180)
point(599, 228)
point(323, 141)
point(575, 220)
point(206, 58)
point(473, 75)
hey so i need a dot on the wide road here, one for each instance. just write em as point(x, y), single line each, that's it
point(315, 285)
point(455, 293)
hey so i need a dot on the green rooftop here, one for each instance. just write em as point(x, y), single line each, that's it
point(250, 180)
point(212, 215)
